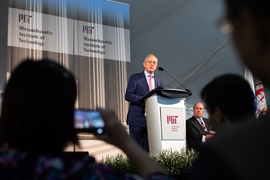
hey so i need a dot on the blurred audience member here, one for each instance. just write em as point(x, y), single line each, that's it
point(228, 98)
point(37, 124)
point(242, 152)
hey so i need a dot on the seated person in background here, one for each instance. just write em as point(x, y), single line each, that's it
point(37, 124)
point(228, 98)
point(198, 128)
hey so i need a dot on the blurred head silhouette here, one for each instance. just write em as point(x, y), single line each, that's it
point(228, 98)
point(37, 108)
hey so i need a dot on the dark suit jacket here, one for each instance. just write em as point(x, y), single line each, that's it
point(194, 132)
point(137, 87)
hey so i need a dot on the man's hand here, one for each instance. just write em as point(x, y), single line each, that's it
point(210, 135)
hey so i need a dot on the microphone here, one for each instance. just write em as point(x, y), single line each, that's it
point(159, 78)
point(162, 69)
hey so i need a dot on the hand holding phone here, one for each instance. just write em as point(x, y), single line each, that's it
point(89, 121)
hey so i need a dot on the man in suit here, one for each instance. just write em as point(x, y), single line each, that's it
point(140, 84)
point(198, 128)
point(242, 151)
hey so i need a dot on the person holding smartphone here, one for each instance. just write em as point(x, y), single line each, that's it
point(37, 124)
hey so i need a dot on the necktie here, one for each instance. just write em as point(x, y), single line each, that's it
point(202, 124)
point(150, 83)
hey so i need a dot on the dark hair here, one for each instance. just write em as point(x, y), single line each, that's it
point(231, 93)
point(259, 8)
point(37, 108)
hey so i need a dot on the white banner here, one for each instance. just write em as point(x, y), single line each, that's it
point(100, 41)
point(38, 31)
point(44, 32)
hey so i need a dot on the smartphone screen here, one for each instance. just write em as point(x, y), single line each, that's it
point(89, 121)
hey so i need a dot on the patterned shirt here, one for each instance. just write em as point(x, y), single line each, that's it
point(79, 166)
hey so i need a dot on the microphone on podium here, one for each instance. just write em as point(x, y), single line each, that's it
point(162, 69)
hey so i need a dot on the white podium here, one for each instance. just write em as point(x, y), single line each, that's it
point(166, 119)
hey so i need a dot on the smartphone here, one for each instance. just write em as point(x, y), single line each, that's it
point(89, 121)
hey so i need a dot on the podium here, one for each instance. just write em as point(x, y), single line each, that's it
point(166, 118)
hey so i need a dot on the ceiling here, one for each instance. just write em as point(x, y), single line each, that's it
point(184, 35)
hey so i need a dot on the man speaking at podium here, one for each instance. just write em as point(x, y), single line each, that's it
point(140, 84)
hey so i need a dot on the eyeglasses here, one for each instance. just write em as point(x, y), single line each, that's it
point(225, 25)
point(154, 62)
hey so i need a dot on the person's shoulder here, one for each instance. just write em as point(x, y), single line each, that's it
point(137, 74)
point(241, 146)
point(227, 132)
point(191, 118)
point(238, 138)
point(245, 129)
point(12, 154)
point(190, 121)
